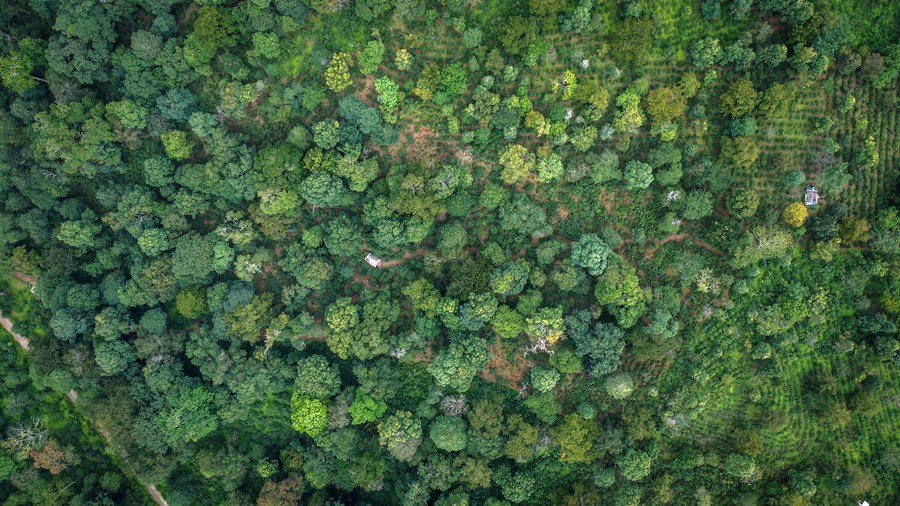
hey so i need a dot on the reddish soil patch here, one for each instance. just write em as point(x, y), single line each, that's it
point(425, 357)
point(709, 247)
point(28, 278)
point(424, 144)
point(406, 258)
point(418, 143)
point(519, 254)
point(607, 200)
point(365, 280)
point(367, 94)
point(187, 14)
point(501, 371)
point(311, 338)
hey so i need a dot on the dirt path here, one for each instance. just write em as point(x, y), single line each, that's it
point(187, 14)
point(409, 255)
point(157, 497)
point(709, 247)
point(651, 252)
point(72, 395)
point(28, 278)
point(8, 325)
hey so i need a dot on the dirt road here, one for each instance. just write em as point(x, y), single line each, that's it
point(8, 325)
point(71, 394)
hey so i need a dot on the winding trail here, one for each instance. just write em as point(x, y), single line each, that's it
point(651, 252)
point(72, 395)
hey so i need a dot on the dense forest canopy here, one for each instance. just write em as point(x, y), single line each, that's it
point(454, 252)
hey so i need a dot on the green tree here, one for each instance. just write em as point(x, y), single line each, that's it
point(322, 189)
point(81, 233)
point(544, 407)
point(337, 75)
point(739, 152)
point(193, 258)
point(176, 145)
point(191, 303)
point(188, 416)
point(153, 242)
point(509, 278)
point(474, 314)
point(739, 466)
point(576, 437)
point(739, 99)
point(507, 322)
point(265, 45)
point(522, 438)
point(517, 34)
point(401, 434)
point(516, 487)
point(388, 97)
point(631, 41)
point(591, 253)
point(638, 175)
point(471, 38)
point(705, 52)
point(517, 163)
point(545, 324)
point(454, 78)
point(583, 139)
point(801, 482)
point(448, 433)
point(317, 378)
point(16, 70)
point(457, 365)
point(629, 117)
point(697, 205)
point(308, 415)
point(742, 202)
point(128, 113)
point(113, 357)
point(370, 57)
point(634, 464)
point(365, 409)
point(665, 104)
point(325, 134)
point(550, 168)
point(619, 288)
point(619, 386)
point(248, 320)
point(544, 379)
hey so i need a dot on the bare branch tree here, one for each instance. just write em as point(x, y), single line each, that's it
point(22, 439)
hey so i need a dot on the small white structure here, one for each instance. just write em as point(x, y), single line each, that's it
point(373, 260)
point(863, 503)
point(812, 198)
